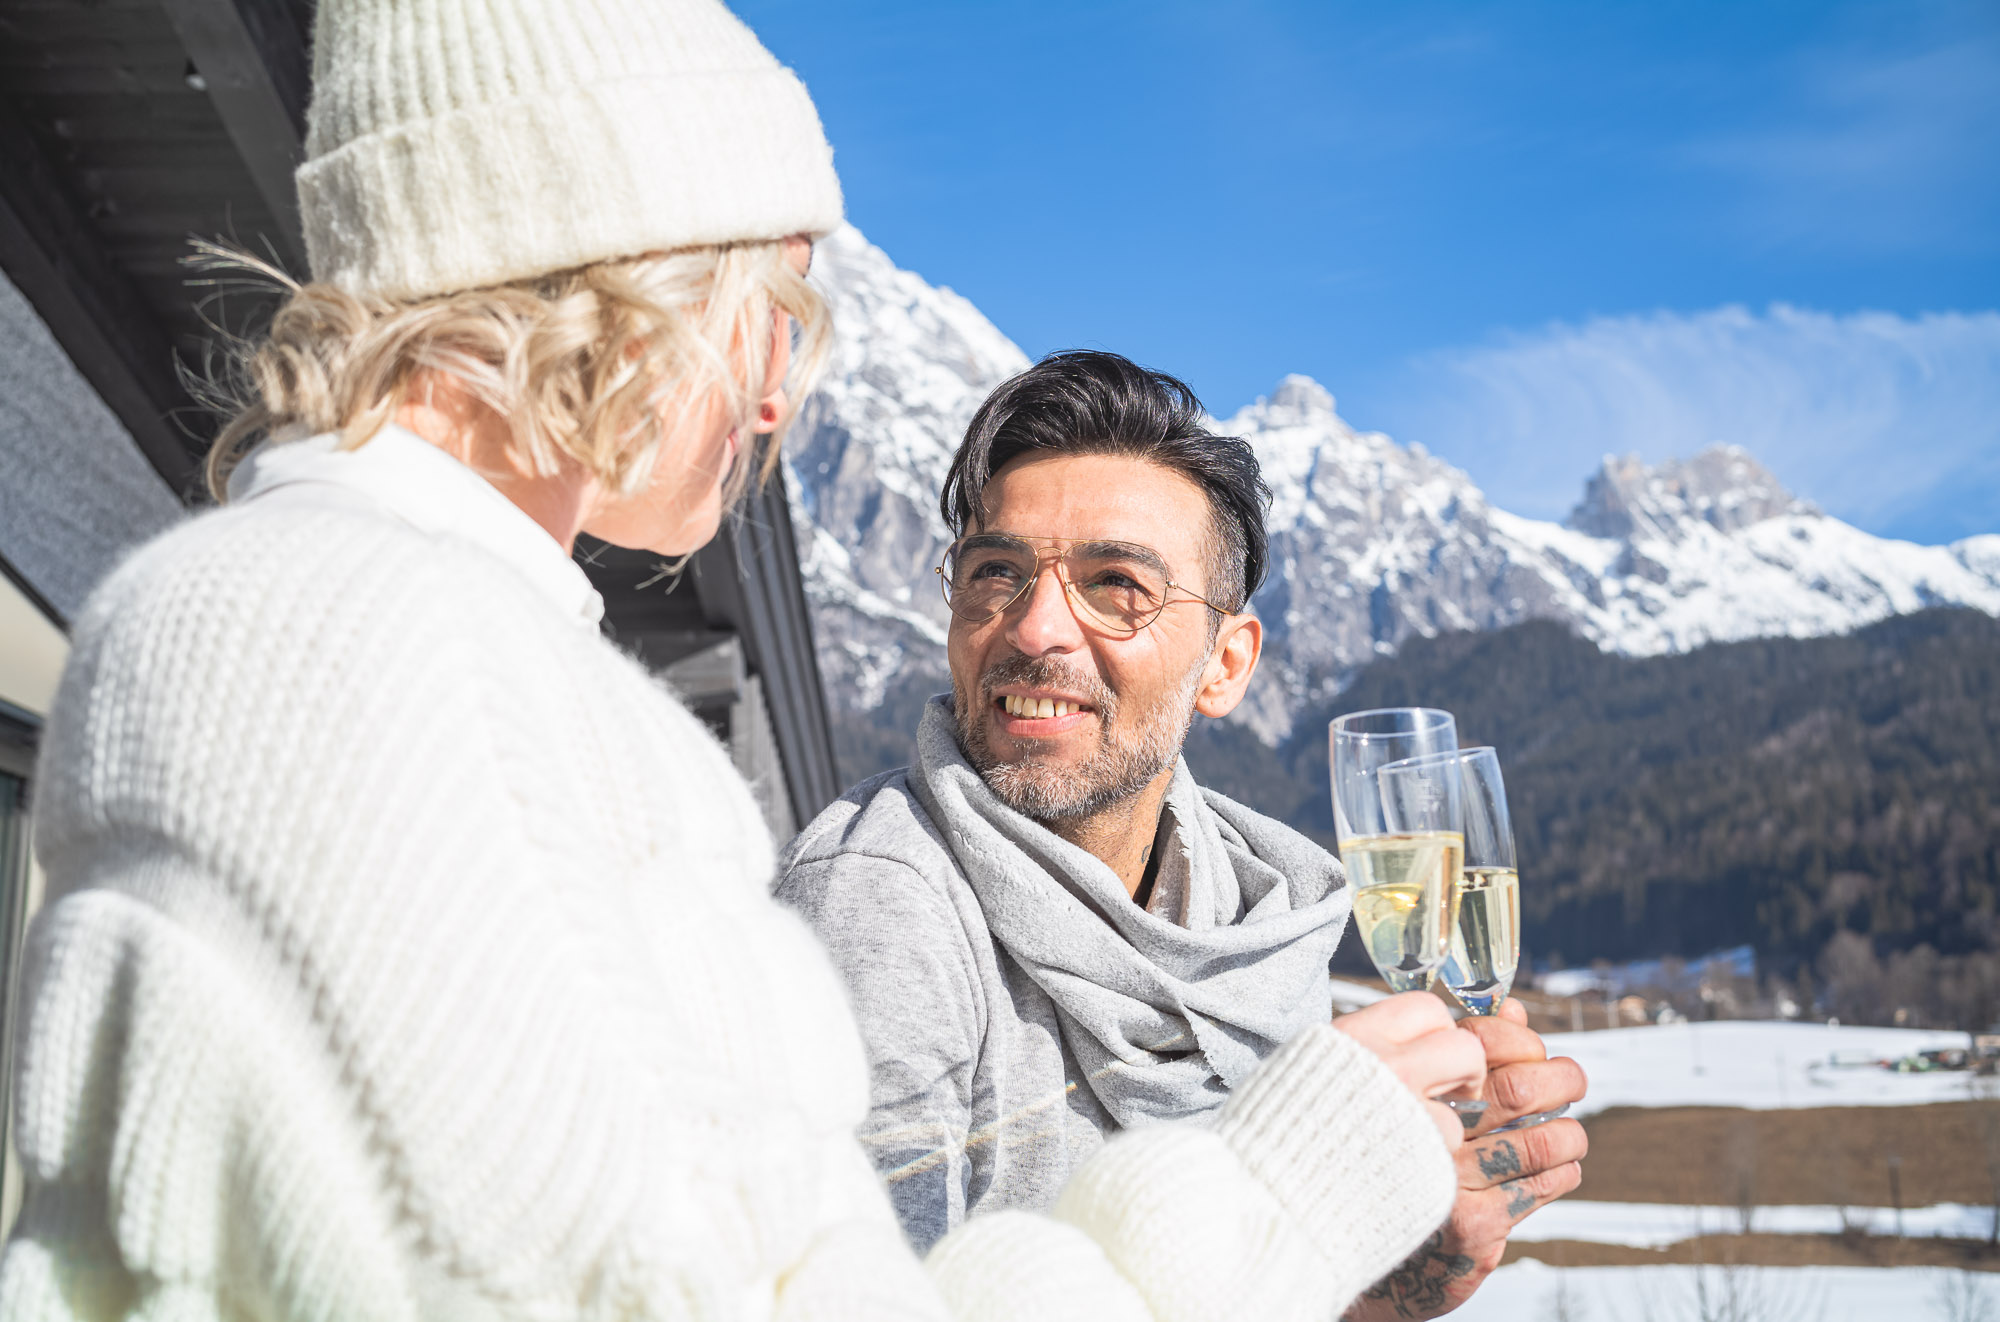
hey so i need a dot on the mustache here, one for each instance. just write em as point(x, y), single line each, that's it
point(1046, 672)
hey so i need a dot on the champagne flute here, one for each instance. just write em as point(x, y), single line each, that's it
point(1486, 933)
point(1486, 938)
point(1402, 875)
point(1403, 842)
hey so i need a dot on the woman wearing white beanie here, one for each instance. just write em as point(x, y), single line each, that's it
point(410, 955)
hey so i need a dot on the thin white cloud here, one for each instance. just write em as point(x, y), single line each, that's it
point(1889, 422)
point(1874, 150)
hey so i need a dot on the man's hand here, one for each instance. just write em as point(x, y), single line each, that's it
point(1501, 1177)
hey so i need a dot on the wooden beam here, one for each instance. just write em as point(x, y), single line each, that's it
point(253, 60)
point(93, 310)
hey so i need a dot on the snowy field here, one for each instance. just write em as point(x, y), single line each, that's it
point(1533, 1292)
point(1656, 1225)
point(1351, 996)
point(1756, 1065)
point(1760, 1066)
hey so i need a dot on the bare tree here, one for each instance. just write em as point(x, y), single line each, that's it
point(1851, 979)
point(1836, 1178)
point(1740, 1164)
point(1736, 1292)
point(1986, 1102)
point(1731, 1291)
point(1961, 1296)
point(1566, 1304)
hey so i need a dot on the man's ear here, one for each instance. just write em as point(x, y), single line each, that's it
point(1238, 644)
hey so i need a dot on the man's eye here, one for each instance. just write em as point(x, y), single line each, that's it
point(1112, 578)
point(994, 569)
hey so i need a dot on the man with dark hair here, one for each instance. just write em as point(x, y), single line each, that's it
point(1048, 930)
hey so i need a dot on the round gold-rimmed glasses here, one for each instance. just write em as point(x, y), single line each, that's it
point(1121, 586)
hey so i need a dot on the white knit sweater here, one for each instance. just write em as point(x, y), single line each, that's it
point(414, 960)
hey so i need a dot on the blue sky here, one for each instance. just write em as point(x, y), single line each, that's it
point(1524, 234)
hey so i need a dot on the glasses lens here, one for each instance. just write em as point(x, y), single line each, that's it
point(1123, 585)
point(983, 575)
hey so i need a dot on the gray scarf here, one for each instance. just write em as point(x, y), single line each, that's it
point(1163, 1019)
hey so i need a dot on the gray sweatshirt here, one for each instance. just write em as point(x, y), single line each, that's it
point(1017, 1007)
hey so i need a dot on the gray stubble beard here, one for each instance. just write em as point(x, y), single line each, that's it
point(1117, 772)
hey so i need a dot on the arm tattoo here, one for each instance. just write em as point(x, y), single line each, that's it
point(1500, 1160)
point(1417, 1288)
point(1519, 1201)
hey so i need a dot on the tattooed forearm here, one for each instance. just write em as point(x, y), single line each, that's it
point(1500, 1161)
point(1519, 1201)
point(1417, 1288)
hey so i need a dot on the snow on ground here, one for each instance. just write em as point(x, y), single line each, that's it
point(1530, 1291)
point(1351, 996)
point(1656, 1225)
point(1649, 974)
point(1760, 1066)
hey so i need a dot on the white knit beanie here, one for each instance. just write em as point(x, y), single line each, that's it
point(455, 144)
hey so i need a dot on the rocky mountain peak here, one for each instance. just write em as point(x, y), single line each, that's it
point(1298, 401)
point(1372, 542)
point(1722, 487)
point(910, 364)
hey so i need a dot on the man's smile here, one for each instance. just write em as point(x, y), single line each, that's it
point(1033, 713)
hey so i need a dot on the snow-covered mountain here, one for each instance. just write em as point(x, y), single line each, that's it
point(1371, 541)
point(867, 457)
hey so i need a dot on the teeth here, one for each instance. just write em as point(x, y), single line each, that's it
point(1036, 708)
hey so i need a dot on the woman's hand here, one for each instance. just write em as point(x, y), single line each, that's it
point(1415, 1037)
point(1421, 1045)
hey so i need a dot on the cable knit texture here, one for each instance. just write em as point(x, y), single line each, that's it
point(410, 957)
point(456, 144)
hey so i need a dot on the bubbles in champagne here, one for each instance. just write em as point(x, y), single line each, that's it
point(1486, 939)
point(1403, 900)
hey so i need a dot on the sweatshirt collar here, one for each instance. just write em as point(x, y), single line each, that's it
point(404, 475)
point(1135, 991)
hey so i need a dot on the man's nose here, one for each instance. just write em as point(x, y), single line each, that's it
point(1044, 622)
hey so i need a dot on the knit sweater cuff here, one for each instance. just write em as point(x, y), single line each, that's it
point(1345, 1148)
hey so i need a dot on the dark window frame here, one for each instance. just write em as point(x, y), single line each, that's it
point(20, 732)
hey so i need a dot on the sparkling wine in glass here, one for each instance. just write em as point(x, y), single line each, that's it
point(1486, 935)
point(1485, 946)
point(1402, 849)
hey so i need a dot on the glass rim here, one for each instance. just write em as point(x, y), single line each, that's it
point(1437, 718)
point(1489, 819)
point(1476, 753)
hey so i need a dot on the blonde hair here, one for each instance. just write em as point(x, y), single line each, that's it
point(588, 365)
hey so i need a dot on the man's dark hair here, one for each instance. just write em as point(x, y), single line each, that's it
point(1087, 402)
